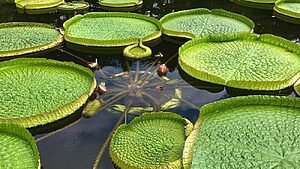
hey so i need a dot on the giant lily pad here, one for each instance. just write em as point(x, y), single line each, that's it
point(260, 4)
point(121, 3)
point(153, 140)
point(248, 132)
point(37, 6)
point(18, 149)
point(288, 10)
point(39, 91)
point(198, 22)
point(111, 29)
point(244, 61)
point(74, 6)
point(19, 38)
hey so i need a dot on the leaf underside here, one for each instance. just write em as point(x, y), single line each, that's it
point(249, 132)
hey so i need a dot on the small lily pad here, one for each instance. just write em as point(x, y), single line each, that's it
point(153, 140)
point(120, 3)
point(39, 91)
point(244, 61)
point(111, 29)
point(260, 4)
point(137, 51)
point(198, 22)
point(74, 6)
point(288, 10)
point(248, 132)
point(18, 149)
point(38, 6)
point(20, 38)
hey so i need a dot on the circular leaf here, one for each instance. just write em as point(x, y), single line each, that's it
point(288, 10)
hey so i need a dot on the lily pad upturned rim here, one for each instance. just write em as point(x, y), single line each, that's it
point(110, 43)
point(287, 15)
point(120, 5)
point(200, 11)
point(47, 5)
point(229, 103)
point(59, 113)
point(187, 125)
point(86, 6)
point(250, 85)
point(22, 133)
point(255, 4)
point(56, 42)
point(297, 87)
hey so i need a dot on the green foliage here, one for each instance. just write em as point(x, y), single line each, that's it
point(137, 51)
point(19, 38)
point(151, 141)
point(249, 132)
point(288, 10)
point(198, 22)
point(18, 149)
point(39, 91)
point(120, 3)
point(260, 4)
point(74, 6)
point(244, 61)
point(111, 29)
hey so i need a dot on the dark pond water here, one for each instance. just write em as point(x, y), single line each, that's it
point(76, 146)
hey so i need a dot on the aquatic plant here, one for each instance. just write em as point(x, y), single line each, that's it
point(18, 149)
point(39, 91)
point(260, 4)
point(288, 10)
point(153, 141)
point(244, 61)
point(198, 22)
point(297, 87)
point(121, 5)
point(111, 29)
point(20, 38)
point(74, 7)
point(247, 132)
point(37, 6)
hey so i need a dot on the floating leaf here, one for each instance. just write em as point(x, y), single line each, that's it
point(260, 4)
point(297, 87)
point(244, 61)
point(19, 38)
point(120, 3)
point(248, 132)
point(288, 10)
point(198, 22)
point(37, 6)
point(137, 50)
point(18, 149)
point(39, 91)
point(153, 140)
point(74, 6)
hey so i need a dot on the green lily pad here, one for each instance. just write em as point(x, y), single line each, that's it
point(120, 3)
point(244, 61)
point(248, 132)
point(297, 87)
point(111, 29)
point(74, 6)
point(20, 38)
point(37, 6)
point(18, 149)
point(39, 91)
point(198, 22)
point(260, 4)
point(288, 10)
point(137, 51)
point(153, 141)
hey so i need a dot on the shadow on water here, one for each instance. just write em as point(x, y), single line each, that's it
point(77, 146)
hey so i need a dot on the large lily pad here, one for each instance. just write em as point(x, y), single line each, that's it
point(18, 149)
point(152, 141)
point(37, 6)
point(244, 61)
point(19, 38)
point(74, 6)
point(120, 3)
point(111, 29)
point(288, 10)
point(198, 22)
point(248, 132)
point(260, 4)
point(39, 91)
